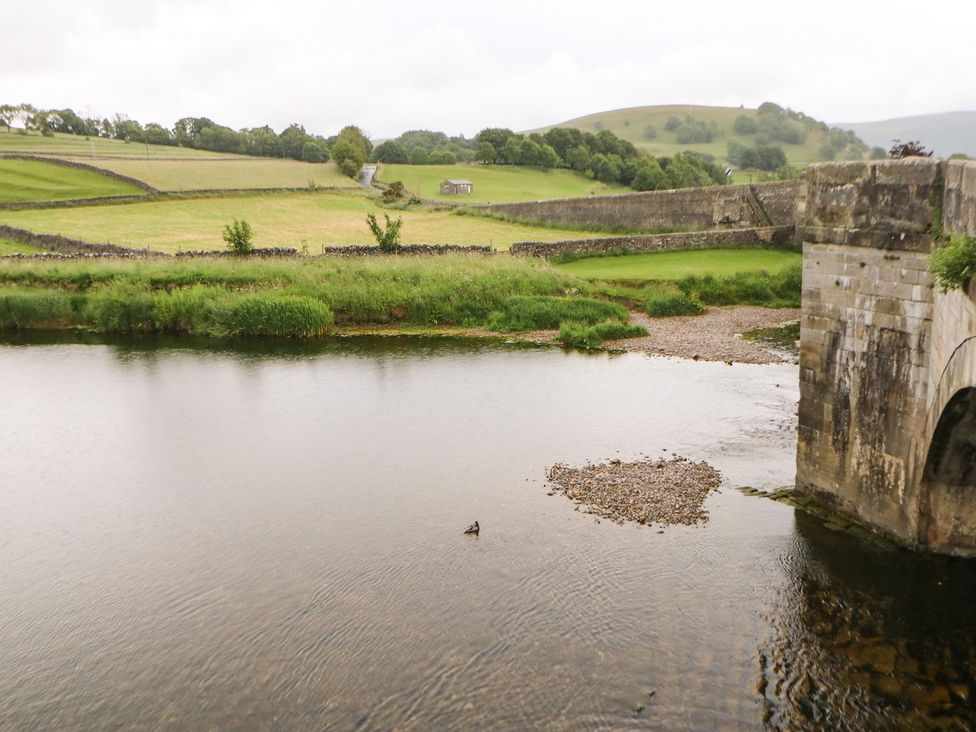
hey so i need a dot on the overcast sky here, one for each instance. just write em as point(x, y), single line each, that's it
point(460, 66)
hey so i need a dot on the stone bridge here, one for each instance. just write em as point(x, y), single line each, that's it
point(887, 418)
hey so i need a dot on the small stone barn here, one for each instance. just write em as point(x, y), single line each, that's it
point(457, 187)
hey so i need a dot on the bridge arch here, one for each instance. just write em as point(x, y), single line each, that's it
point(948, 482)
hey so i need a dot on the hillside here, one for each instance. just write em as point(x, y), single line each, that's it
point(945, 133)
point(646, 127)
point(67, 145)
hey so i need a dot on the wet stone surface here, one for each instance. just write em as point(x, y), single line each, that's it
point(662, 492)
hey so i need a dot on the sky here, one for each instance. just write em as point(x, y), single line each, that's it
point(462, 66)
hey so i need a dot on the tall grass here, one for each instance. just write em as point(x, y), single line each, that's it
point(297, 297)
point(777, 289)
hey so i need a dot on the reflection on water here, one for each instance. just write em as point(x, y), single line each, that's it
point(267, 535)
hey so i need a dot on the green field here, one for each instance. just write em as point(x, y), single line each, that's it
point(216, 173)
point(495, 183)
point(630, 124)
point(62, 145)
point(31, 180)
point(676, 265)
point(285, 220)
point(12, 247)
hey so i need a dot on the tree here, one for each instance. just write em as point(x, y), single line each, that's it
point(548, 157)
point(605, 168)
point(238, 236)
point(292, 141)
point(672, 124)
point(511, 152)
point(8, 114)
point(388, 239)
point(770, 157)
point(496, 136)
point(312, 153)
point(910, 149)
point(348, 157)
point(442, 156)
point(418, 156)
point(358, 138)
point(650, 132)
point(744, 125)
point(878, 153)
point(390, 151)
point(486, 153)
point(650, 177)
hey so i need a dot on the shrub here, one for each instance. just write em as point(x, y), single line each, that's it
point(394, 192)
point(672, 123)
point(581, 335)
point(745, 125)
point(672, 303)
point(34, 309)
point(541, 312)
point(275, 315)
point(312, 153)
point(238, 236)
point(954, 264)
point(650, 132)
point(388, 239)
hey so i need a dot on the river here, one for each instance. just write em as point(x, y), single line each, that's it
point(267, 535)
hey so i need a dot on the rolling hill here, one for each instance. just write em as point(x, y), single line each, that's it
point(646, 127)
point(945, 133)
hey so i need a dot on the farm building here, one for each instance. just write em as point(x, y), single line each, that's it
point(457, 187)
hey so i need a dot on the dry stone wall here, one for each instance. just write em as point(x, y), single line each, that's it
point(780, 237)
point(677, 210)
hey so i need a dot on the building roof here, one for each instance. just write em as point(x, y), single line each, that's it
point(458, 182)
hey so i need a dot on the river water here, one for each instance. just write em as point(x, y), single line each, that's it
point(268, 536)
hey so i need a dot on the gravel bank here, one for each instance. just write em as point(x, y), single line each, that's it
point(662, 492)
point(711, 336)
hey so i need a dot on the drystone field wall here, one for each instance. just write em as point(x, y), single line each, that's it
point(779, 237)
point(884, 354)
point(684, 209)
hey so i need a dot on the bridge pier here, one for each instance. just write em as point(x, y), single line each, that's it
point(887, 412)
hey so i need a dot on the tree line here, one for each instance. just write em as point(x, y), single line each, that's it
point(349, 149)
point(602, 156)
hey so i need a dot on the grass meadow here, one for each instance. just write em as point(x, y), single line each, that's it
point(63, 145)
point(495, 183)
point(217, 173)
point(31, 180)
point(278, 220)
point(676, 265)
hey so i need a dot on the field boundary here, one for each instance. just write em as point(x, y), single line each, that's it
point(772, 237)
point(168, 196)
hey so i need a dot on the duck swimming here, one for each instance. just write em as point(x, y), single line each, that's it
point(473, 528)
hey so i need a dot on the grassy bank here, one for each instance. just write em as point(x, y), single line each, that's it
point(679, 264)
point(285, 220)
point(302, 297)
point(31, 180)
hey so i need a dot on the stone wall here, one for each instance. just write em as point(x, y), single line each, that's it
point(66, 245)
point(876, 340)
point(682, 209)
point(780, 237)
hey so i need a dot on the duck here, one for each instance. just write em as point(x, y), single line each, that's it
point(473, 528)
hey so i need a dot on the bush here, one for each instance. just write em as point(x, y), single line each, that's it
point(650, 132)
point(539, 312)
point(388, 239)
point(581, 335)
point(418, 156)
point(672, 124)
point(781, 289)
point(312, 153)
point(954, 264)
point(745, 125)
point(672, 303)
point(442, 156)
point(238, 236)
point(270, 315)
point(34, 309)
point(394, 192)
